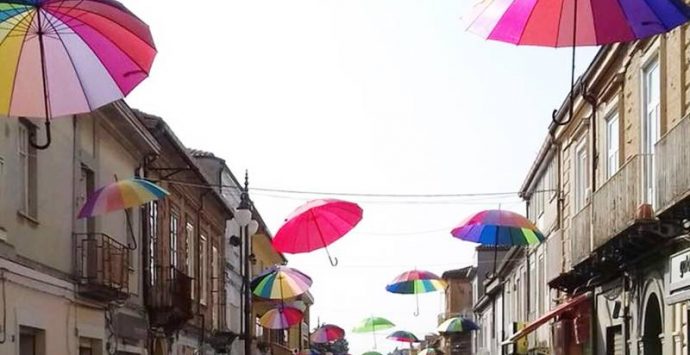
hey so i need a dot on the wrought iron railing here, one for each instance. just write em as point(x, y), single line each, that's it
point(170, 295)
point(102, 266)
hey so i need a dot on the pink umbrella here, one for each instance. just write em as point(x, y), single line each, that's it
point(315, 225)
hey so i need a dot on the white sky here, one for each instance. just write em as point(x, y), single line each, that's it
point(375, 96)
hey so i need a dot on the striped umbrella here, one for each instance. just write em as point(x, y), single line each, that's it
point(121, 195)
point(65, 57)
point(280, 282)
point(281, 317)
point(327, 333)
point(416, 282)
point(498, 227)
point(457, 325)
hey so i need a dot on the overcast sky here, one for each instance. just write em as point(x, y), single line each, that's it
point(362, 96)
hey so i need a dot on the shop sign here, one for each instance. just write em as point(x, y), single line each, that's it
point(679, 277)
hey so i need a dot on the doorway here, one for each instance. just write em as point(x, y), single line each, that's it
point(652, 327)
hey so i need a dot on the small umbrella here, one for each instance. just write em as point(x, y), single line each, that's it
point(457, 325)
point(280, 282)
point(65, 57)
point(121, 195)
point(316, 225)
point(430, 351)
point(416, 282)
point(371, 324)
point(403, 336)
point(327, 333)
point(281, 317)
point(557, 23)
point(498, 227)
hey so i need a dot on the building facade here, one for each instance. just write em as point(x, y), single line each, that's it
point(458, 303)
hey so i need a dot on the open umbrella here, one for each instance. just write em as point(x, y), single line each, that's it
point(327, 333)
point(498, 227)
point(65, 57)
point(457, 325)
point(281, 317)
point(403, 336)
point(371, 353)
point(416, 282)
point(316, 225)
point(121, 195)
point(574, 23)
point(371, 324)
point(280, 282)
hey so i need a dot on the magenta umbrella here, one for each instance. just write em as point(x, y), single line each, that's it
point(316, 225)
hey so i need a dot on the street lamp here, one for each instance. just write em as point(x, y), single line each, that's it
point(248, 227)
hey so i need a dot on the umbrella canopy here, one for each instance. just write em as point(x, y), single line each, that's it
point(403, 336)
point(121, 195)
point(498, 227)
point(373, 324)
point(280, 282)
point(559, 23)
point(416, 282)
point(371, 353)
point(457, 325)
point(64, 57)
point(316, 225)
point(327, 333)
point(281, 318)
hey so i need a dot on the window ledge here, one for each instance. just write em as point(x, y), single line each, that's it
point(33, 221)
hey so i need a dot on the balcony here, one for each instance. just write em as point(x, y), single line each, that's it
point(672, 168)
point(169, 299)
point(581, 235)
point(615, 204)
point(102, 267)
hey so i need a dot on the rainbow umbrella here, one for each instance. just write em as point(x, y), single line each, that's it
point(121, 195)
point(416, 282)
point(457, 325)
point(557, 23)
point(316, 225)
point(280, 282)
point(65, 57)
point(371, 324)
point(403, 336)
point(281, 317)
point(498, 227)
point(327, 333)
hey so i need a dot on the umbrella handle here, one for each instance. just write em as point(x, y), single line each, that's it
point(333, 260)
point(32, 138)
point(416, 312)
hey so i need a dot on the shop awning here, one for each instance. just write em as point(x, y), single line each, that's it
point(562, 308)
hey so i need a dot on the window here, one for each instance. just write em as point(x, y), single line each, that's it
point(31, 341)
point(615, 345)
point(27, 170)
point(552, 181)
point(651, 121)
point(191, 255)
point(152, 231)
point(580, 176)
point(612, 144)
point(214, 289)
point(541, 285)
point(532, 280)
point(203, 279)
point(174, 226)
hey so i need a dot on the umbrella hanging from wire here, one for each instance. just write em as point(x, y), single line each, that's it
point(416, 282)
point(281, 317)
point(121, 195)
point(371, 324)
point(573, 23)
point(65, 57)
point(280, 282)
point(316, 225)
point(403, 336)
point(498, 227)
point(327, 333)
point(457, 325)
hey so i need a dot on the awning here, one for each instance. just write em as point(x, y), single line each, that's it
point(562, 308)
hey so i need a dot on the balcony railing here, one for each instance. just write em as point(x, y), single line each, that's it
point(615, 204)
point(102, 267)
point(169, 298)
point(672, 166)
point(581, 235)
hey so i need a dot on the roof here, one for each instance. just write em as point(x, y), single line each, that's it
point(197, 153)
point(466, 272)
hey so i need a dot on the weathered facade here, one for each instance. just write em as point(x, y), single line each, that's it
point(458, 303)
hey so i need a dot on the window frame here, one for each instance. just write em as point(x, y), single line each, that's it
point(190, 240)
point(581, 174)
point(203, 259)
point(611, 117)
point(28, 170)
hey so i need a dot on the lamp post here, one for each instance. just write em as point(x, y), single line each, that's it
point(248, 227)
